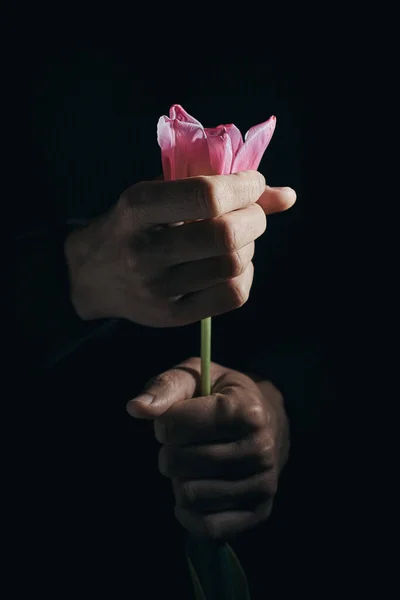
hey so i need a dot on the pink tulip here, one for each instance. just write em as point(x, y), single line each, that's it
point(189, 149)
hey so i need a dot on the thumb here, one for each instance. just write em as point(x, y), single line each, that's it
point(276, 199)
point(179, 383)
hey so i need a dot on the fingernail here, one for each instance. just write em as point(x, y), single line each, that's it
point(143, 399)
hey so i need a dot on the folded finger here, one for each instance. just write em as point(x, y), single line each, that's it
point(204, 239)
point(223, 525)
point(197, 275)
point(214, 495)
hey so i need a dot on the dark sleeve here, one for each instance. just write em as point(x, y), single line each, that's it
point(48, 327)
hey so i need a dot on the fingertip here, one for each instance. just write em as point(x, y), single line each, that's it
point(288, 196)
point(139, 407)
point(285, 189)
point(277, 199)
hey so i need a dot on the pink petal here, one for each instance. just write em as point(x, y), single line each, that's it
point(166, 140)
point(256, 142)
point(236, 138)
point(220, 150)
point(184, 150)
point(177, 112)
point(189, 149)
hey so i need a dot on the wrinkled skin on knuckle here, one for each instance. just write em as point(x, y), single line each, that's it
point(238, 293)
point(225, 231)
point(226, 407)
point(232, 265)
point(199, 195)
point(257, 179)
point(260, 182)
point(132, 203)
point(253, 414)
point(214, 191)
point(124, 206)
point(166, 381)
point(139, 196)
point(263, 451)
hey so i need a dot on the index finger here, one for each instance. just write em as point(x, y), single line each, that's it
point(205, 197)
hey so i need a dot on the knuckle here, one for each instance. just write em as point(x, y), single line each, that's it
point(260, 219)
point(226, 406)
point(187, 493)
point(253, 180)
point(238, 293)
point(260, 182)
point(133, 200)
point(124, 203)
point(263, 452)
point(233, 265)
point(211, 192)
point(226, 232)
point(166, 381)
point(254, 415)
point(138, 191)
point(194, 363)
point(211, 527)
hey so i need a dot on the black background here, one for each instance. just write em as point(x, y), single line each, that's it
point(95, 96)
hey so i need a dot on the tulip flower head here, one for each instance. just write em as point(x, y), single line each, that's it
point(189, 149)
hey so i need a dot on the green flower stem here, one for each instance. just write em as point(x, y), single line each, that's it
point(215, 570)
point(205, 356)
